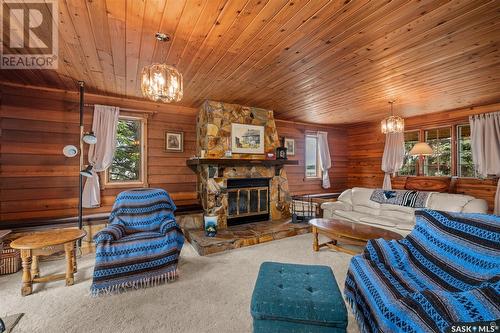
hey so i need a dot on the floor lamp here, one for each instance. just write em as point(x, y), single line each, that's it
point(72, 151)
point(421, 149)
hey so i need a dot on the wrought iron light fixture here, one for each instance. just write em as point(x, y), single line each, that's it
point(392, 124)
point(161, 82)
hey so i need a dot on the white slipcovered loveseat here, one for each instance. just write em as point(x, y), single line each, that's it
point(354, 205)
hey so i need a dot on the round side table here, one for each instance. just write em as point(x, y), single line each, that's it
point(46, 243)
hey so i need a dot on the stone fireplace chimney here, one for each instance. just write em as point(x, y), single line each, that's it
point(258, 187)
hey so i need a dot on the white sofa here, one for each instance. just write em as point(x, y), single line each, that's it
point(354, 205)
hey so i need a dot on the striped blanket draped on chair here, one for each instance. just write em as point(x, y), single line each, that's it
point(446, 271)
point(140, 246)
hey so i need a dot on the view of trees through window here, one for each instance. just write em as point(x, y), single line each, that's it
point(312, 156)
point(465, 165)
point(126, 166)
point(410, 162)
point(439, 163)
point(444, 152)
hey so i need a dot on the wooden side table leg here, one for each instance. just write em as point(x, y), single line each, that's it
point(35, 270)
point(27, 287)
point(75, 269)
point(69, 249)
point(315, 239)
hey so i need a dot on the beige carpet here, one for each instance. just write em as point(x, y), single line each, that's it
point(212, 294)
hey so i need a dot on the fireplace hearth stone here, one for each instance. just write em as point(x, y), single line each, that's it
point(234, 237)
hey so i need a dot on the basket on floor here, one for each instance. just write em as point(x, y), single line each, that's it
point(10, 260)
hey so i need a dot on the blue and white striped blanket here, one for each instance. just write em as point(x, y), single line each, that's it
point(446, 271)
point(141, 245)
point(415, 199)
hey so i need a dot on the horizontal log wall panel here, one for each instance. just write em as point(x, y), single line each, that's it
point(337, 140)
point(366, 147)
point(38, 181)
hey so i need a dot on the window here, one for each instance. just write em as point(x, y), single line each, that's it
point(312, 157)
point(465, 165)
point(439, 164)
point(128, 166)
point(410, 162)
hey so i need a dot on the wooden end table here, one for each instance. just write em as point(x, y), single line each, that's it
point(47, 243)
point(346, 232)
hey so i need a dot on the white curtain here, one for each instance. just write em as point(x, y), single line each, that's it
point(485, 143)
point(101, 154)
point(393, 158)
point(324, 158)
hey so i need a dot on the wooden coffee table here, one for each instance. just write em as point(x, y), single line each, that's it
point(346, 232)
point(46, 243)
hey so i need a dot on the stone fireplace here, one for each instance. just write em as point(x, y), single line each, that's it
point(242, 188)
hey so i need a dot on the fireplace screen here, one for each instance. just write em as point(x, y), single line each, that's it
point(248, 200)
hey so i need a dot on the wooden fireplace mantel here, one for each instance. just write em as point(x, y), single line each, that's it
point(194, 162)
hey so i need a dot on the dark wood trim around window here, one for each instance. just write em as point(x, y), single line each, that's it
point(454, 143)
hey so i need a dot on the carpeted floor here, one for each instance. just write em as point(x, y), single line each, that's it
point(212, 294)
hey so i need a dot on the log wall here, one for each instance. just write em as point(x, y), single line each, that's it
point(38, 182)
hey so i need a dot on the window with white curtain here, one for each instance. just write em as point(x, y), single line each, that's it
point(128, 166)
point(313, 168)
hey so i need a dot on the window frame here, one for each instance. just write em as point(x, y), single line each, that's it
point(454, 146)
point(457, 149)
point(143, 181)
point(417, 160)
point(452, 150)
point(319, 172)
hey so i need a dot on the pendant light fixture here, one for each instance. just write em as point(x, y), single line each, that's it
point(392, 124)
point(161, 82)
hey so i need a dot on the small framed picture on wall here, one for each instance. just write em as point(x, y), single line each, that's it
point(290, 146)
point(174, 141)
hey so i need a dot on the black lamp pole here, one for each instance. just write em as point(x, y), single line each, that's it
point(80, 177)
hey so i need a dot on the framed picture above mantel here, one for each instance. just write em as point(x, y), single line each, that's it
point(174, 141)
point(247, 139)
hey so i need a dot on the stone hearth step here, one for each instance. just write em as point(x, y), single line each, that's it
point(244, 235)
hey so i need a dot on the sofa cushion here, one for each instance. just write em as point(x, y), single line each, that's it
point(476, 206)
point(349, 215)
point(346, 196)
point(361, 197)
point(336, 205)
point(379, 220)
point(448, 202)
point(406, 225)
point(398, 208)
point(397, 212)
point(366, 210)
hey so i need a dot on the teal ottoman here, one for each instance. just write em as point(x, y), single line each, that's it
point(297, 299)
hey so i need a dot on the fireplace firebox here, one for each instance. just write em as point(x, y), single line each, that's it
point(248, 200)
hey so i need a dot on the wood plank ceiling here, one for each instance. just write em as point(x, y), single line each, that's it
point(316, 61)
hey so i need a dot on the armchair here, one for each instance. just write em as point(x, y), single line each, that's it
point(140, 246)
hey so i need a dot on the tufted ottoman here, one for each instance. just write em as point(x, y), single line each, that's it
point(297, 299)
